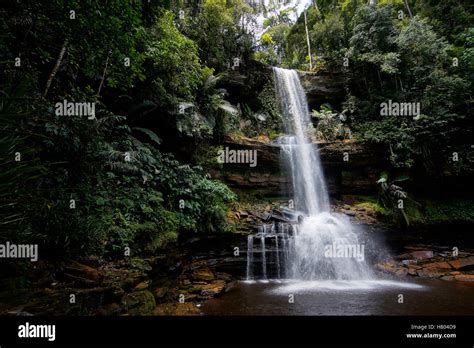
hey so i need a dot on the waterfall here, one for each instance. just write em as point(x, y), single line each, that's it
point(308, 182)
point(324, 245)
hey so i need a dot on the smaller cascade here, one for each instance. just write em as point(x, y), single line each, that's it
point(264, 259)
point(268, 251)
point(277, 254)
point(250, 257)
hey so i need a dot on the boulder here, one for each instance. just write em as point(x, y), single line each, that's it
point(412, 270)
point(83, 271)
point(462, 263)
point(388, 267)
point(202, 274)
point(402, 272)
point(213, 289)
point(139, 303)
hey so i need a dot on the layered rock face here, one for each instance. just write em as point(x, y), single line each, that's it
point(323, 87)
point(350, 167)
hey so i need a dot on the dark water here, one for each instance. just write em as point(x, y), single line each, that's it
point(421, 297)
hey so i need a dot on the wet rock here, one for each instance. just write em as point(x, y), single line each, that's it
point(202, 274)
point(388, 267)
point(213, 289)
point(412, 270)
point(438, 265)
point(462, 263)
point(465, 277)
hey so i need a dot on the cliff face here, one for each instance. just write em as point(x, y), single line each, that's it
point(323, 87)
point(355, 175)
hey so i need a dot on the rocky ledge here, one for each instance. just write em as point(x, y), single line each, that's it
point(426, 261)
point(358, 174)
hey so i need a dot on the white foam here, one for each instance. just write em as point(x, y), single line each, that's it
point(340, 285)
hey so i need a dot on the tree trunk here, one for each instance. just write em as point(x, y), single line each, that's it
point(103, 77)
point(55, 69)
point(380, 79)
point(307, 41)
point(315, 3)
point(408, 9)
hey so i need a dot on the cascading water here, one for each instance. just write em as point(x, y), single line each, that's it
point(324, 245)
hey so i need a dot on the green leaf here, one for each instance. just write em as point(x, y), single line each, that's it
point(152, 135)
point(383, 178)
point(401, 178)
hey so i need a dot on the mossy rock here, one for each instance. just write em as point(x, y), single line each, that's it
point(140, 264)
point(139, 303)
point(368, 203)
